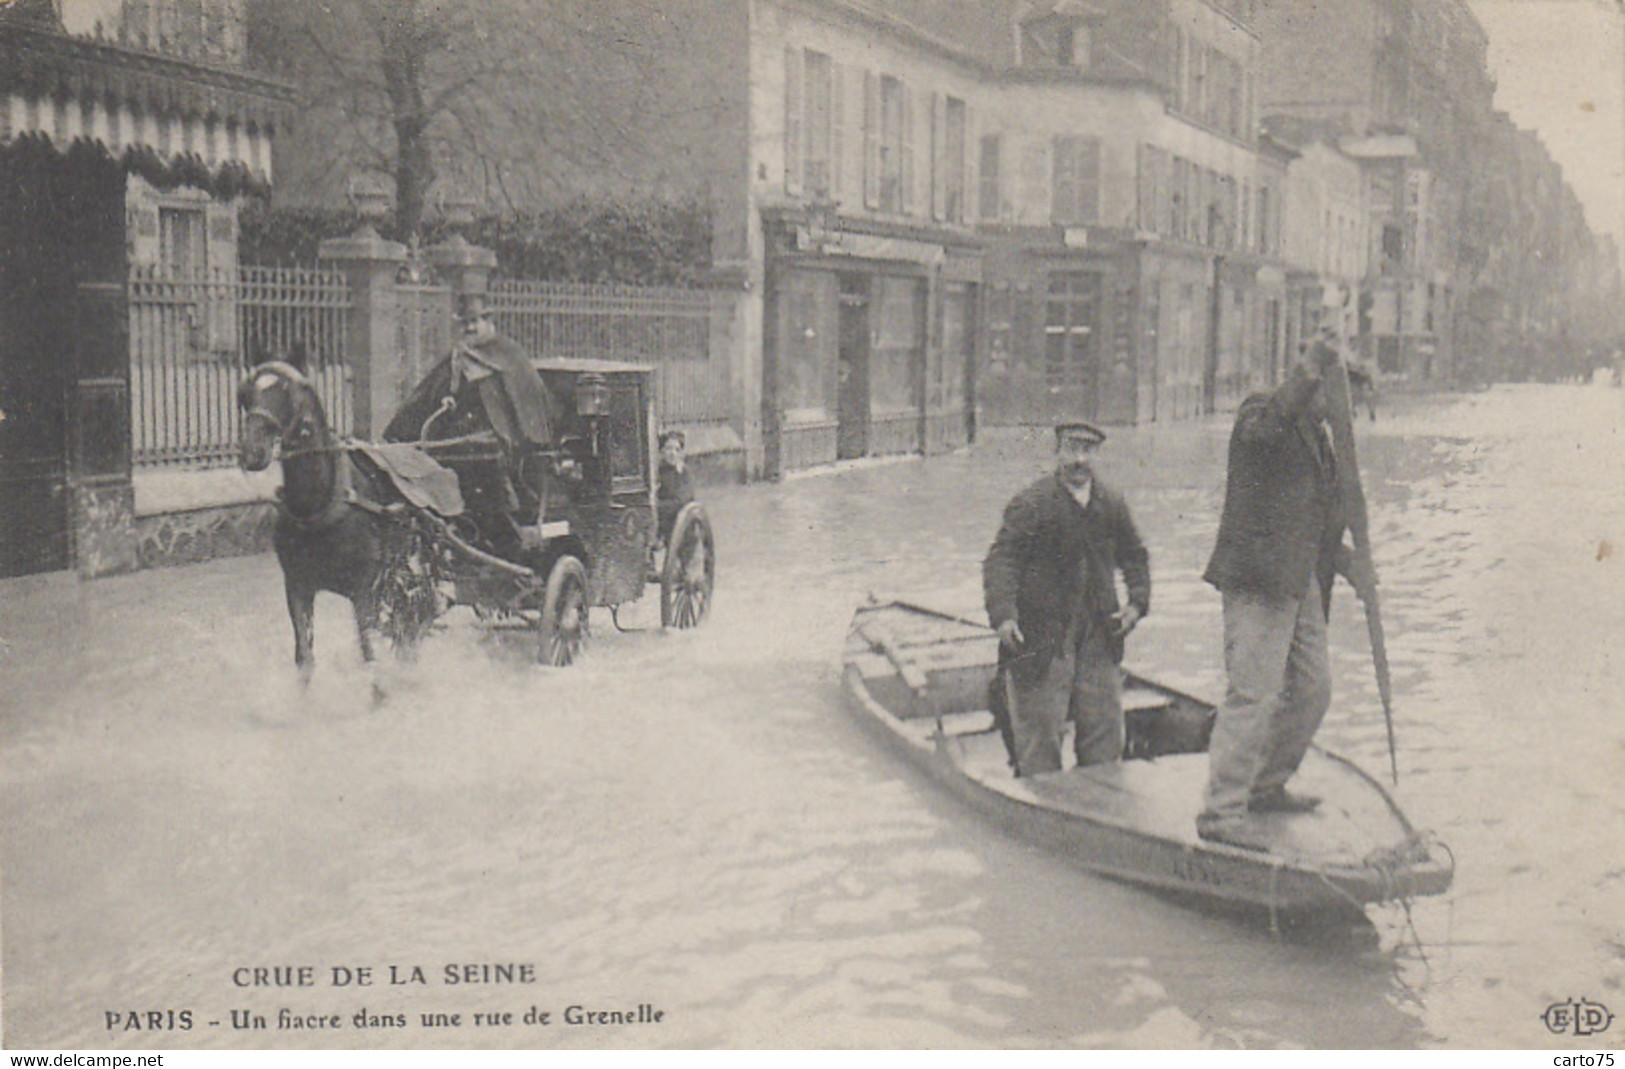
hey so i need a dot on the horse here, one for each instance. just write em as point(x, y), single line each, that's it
point(331, 532)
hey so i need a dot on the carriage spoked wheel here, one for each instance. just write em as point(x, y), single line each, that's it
point(690, 570)
point(563, 625)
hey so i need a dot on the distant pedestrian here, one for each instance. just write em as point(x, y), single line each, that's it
point(1049, 582)
point(1279, 545)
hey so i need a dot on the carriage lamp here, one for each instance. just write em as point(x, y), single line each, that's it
point(592, 395)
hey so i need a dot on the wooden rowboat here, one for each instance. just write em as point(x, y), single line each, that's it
point(924, 677)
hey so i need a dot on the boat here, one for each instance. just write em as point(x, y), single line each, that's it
point(924, 678)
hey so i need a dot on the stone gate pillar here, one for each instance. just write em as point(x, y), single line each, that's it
point(465, 268)
point(371, 346)
point(103, 505)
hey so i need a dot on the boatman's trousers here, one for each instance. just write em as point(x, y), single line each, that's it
point(1082, 684)
point(1280, 685)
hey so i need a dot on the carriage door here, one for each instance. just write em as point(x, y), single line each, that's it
point(1071, 351)
point(852, 373)
point(620, 572)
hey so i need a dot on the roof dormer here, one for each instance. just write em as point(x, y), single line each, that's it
point(1058, 35)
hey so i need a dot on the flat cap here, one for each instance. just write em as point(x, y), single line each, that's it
point(1078, 430)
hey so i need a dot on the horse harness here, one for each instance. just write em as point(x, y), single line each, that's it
point(305, 438)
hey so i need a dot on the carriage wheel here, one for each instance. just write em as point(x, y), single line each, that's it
point(690, 572)
point(564, 624)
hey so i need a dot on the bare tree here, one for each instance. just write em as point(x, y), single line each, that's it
point(502, 100)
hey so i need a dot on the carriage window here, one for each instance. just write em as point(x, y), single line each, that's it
point(626, 434)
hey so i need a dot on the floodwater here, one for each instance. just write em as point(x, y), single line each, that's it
point(694, 823)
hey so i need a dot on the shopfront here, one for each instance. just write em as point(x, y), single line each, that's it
point(867, 347)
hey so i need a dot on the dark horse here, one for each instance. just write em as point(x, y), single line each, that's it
point(331, 531)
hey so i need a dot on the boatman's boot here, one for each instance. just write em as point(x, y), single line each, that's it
point(1281, 800)
point(1232, 832)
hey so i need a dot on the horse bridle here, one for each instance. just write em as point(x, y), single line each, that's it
point(303, 427)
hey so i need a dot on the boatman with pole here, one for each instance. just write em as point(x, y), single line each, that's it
point(1050, 586)
point(1280, 544)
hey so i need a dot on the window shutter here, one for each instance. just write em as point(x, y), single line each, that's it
point(1145, 190)
point(970, 174)
point(1035, 192)
point(1250, 109)
point(909, 176)
point(1244, 230)
point(939, 157)
point(1088, 180)
point(871, 140)
point(794, 85)
point(1165, 184)
point(1182, 64)
point(1063, 181)
point(837, 132)
point(988, 208)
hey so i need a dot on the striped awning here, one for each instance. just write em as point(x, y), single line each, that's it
point(66, 88)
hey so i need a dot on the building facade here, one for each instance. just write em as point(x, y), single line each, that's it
point(1401, 86)
point(125, 142)
point(1075, 190)
point(935, 212)
point(871, 268)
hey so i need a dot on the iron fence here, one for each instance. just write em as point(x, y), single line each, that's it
point(192, 337)
point(668, 328)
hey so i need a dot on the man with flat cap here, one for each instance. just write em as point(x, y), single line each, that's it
point(1049, 582)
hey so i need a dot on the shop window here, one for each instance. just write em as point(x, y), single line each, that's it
point(1071, 319)
point(808, 346)
point(949, 388)
point(893, 378)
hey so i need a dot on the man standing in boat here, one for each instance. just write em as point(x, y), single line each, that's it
point(1049, 582)
point(1280, 544)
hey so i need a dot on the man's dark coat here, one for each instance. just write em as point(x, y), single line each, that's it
point(1282, 519)
point(674, 490)
point(1031, 573)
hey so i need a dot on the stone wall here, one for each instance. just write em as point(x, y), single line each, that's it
point(204, 534)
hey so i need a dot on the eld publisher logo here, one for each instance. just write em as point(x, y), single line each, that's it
point(1577, 1016)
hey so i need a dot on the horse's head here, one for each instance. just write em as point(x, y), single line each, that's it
point(279, 405)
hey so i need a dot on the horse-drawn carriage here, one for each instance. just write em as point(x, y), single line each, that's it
point(523, 488)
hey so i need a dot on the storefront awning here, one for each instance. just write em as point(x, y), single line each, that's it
point(67, 88)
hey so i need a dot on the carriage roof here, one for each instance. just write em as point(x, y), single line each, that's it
point(585, 364)
point(522, 407)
